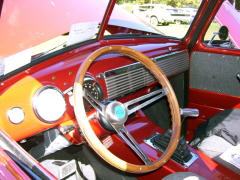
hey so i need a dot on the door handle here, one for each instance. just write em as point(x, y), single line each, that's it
point(238, 76)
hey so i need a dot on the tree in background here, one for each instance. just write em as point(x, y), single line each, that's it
point(235, 3)
point(174, 3)
point(177, 3)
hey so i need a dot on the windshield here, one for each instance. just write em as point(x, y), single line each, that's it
point(31, 29)
point(171, 19)
point(30, 33)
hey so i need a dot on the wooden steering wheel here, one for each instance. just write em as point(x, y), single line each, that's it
point(116, 113)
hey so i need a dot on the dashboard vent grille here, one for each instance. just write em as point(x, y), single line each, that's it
point(129, 78)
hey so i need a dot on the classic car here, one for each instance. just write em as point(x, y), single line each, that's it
point(90, 91)
point(184, 15)
point(155, 14)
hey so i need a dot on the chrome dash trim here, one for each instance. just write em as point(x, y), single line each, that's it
point(127, 79)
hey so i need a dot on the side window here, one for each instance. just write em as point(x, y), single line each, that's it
point(223, 31)
point(212, 30)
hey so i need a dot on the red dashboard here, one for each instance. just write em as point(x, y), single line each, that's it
point(61, 74)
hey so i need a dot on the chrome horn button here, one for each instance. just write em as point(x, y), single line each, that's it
point(116, 113)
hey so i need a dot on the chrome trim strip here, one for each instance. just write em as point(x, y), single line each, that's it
point(167, 55)
point(127, 79)
point(34, 106)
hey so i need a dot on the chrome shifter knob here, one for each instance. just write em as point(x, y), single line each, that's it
point(189, 112)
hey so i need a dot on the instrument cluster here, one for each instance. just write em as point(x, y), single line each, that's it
point(92, 85)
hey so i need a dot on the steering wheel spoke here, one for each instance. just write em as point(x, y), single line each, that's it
point(124, 134)
point(93, 101)
point(158, 94)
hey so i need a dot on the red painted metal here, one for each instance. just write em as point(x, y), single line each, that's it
point(208, 103)
point(237, 106)
point(212, 99)
point(60, 72)
point(200, 46)
point(106, 18)
point(205, 112)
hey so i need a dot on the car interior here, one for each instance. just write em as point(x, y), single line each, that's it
point(126, 104)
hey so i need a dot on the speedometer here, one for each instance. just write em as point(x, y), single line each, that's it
point(94, 88)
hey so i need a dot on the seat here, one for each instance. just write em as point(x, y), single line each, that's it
point(219, 133)
point(183, 176)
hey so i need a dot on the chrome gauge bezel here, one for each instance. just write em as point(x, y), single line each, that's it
point(87, 78)
point(16, 115)
point(98, 86)
point(58, 107)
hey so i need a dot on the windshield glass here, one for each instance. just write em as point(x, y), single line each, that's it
point(30, 33)
point(32, 29)
point(170, 19)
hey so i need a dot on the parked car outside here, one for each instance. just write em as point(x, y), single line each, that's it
point(184, 15)
point(163, 14)
point(98, 93)
point(155, 13)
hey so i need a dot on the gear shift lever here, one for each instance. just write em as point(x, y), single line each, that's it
point(188, 112)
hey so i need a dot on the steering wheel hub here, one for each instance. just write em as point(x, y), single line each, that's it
point(116, 113)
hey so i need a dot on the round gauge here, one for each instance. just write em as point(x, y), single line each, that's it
point(94, 88)
point(16, 115)
point(49, 104)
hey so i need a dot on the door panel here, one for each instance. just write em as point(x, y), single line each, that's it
point(215, 73)
point(213, 85)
